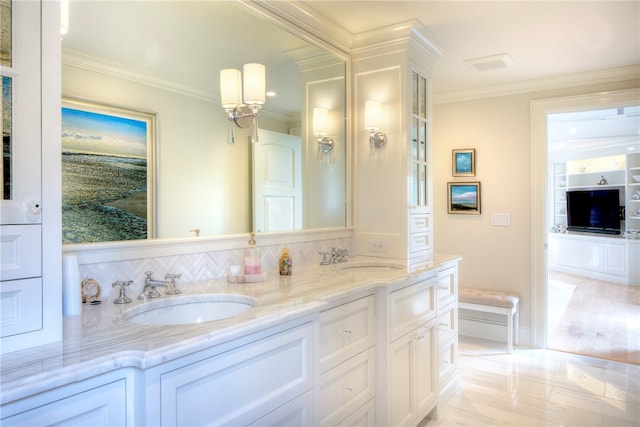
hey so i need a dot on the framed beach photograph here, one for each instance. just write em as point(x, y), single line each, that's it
point(108, 170)
point(464, 162)
point(463, 198)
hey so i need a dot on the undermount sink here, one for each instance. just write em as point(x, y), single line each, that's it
point(371, 266)
point(191, 309)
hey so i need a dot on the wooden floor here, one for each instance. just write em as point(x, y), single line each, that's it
point(601, 319)
point(534, 387)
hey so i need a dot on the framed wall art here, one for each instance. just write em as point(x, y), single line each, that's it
point(463, 198)
point(464, 162)
point(108, 186)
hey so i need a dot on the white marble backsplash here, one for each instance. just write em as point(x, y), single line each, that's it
point(198, 266)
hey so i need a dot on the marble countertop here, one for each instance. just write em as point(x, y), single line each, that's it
point(101, 340)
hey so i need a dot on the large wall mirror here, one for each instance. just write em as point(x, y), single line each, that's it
point(164, 58)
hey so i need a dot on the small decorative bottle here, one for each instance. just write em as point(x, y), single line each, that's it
point(252, 257)
point(285, 263)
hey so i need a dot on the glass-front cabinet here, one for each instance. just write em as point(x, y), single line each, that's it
point(420, 233)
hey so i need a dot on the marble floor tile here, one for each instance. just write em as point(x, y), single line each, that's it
point(534, 387)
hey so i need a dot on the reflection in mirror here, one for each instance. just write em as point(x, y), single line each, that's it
point(5, 61)
point(165, 58)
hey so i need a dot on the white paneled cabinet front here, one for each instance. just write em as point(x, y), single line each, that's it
point(346, 361)
point(412, 374)
point(237, 386)
point(413, 385)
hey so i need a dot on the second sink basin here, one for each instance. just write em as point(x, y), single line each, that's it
point(191, 309)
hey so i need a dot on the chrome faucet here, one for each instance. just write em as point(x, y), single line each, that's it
point(336, 255)
point(170, 280)
point(150, 286)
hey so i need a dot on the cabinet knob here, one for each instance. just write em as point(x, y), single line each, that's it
point(346, 331)
point(34, 207)
point(418, 337)
point(346, 388)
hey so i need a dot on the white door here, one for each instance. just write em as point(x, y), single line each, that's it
point(277, 182)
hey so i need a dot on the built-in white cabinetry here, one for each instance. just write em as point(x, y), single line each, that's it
point(633, 192)
point(26, 319)
point(447, 308)
point(601, 257)
point(347, 363)
point(105, 400)
point(412, 371)
point(237, 383)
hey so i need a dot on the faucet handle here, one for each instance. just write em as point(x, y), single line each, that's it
point(171, 284)
point(122, 298)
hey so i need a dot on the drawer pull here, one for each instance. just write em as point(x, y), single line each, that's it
point(444, 325)
point(345, 388)
point(443, 287)
point(418, 337)
point(346, 331)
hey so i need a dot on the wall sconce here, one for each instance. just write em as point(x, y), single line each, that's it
point(64, 16)
point(243, 111)
point(320, 128)
point(377, 138)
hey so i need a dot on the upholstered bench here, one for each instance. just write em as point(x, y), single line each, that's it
point(492, 301)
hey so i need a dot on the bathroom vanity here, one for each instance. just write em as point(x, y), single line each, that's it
point(364, 342)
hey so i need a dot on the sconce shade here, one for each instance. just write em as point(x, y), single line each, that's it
point(372, 115)
point(254, 84)
point(230, 88)
point(320, 121)
point(64, 16)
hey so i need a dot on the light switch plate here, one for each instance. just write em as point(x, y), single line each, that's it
point(501, 219)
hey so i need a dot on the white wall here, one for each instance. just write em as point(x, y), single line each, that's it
point(498, 128)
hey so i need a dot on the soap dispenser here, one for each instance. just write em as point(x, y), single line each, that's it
point(252, 257)
point(285, 263)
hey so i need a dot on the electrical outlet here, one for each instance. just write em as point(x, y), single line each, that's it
point(377, 246)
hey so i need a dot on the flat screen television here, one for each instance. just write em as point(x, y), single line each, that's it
point(594, 211)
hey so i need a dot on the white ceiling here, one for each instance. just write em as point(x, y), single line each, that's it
point(546, 39)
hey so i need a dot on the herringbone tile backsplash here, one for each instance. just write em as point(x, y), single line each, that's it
point(200, 266)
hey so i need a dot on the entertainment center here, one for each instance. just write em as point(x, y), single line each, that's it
point(596, 218)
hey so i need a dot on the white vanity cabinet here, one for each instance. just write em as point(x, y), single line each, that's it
point(447, 307)
point(265, 376)
point(104, 400)
point(412, 374)
point(347, 364)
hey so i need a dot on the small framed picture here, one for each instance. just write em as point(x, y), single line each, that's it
point(464, 162)
point(463, 198)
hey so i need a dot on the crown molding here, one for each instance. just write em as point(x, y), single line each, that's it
point(610, 75)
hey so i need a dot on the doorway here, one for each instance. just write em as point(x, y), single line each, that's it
point(546, 314)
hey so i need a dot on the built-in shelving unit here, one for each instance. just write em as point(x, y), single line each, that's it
point(633, 192)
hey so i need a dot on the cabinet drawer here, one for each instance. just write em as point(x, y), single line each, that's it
point(419, 242)
point(346, 387)
point(104, 405)
point(447, 290)
point(447, 323)
point(345, 331)
point(363, 416)
point(21, 306)
point(448, 361)
point(419, 223)
point(411, 306)
point(240, 385)
point(297, 413)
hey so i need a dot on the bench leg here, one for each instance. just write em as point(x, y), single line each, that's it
point(510, 332)
point(516, 326)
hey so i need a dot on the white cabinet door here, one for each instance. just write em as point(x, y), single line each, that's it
point(614, 259)
point(592, 255)
point(413, 382)
point(574, 253)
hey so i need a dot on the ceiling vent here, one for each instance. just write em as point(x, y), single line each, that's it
point(492, 62)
